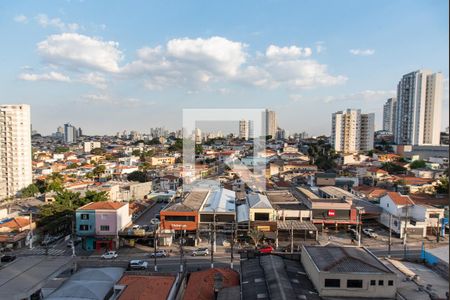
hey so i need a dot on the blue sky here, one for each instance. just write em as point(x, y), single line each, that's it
point(113, 65)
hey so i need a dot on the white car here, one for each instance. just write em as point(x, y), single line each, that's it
point(138, 265)
point(200, 252)
point(110, 255)
point(370, 232)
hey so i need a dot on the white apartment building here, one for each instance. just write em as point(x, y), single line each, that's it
point(15, 149)
point(389, 114)
point(419, 104)
point(244, 129)
point(352, 131)
point(88, 146)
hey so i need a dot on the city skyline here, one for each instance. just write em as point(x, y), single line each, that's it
point(145, 79)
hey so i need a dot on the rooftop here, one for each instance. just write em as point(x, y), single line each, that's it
point(276, 197)
point(336, 192)
point(141, 287)
point(345, 259)
point(107, 205)
point(220, 201)
point(258, 201)
point(400, 199)
point(192, 202)
point(201, 283)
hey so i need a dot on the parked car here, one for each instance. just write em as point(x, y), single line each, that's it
point(266, 250)
point(136, 227)
point(159, 253)
point(200, 252)
point(138, 264)
point(70, 244)
point(7, 258)
point(110, 255)
point(370, 232)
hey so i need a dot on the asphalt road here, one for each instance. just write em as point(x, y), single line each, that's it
point(145, 218)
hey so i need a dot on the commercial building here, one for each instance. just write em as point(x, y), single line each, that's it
point(70, 133)
point(389, 114)
point(348, 272)
point(419, 104)
point(99, 223)
point(15, 149)
point(261, 213)
point(352, 131)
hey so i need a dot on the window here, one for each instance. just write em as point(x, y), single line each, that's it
point(390, 282)
point(180, 218)
point(434, 216)
point(83, 227)
point(380, 282)
point(261, 217)
point(104, 227)
point(354, 283)
point(373, 282)
point(332, 283)
point(84, 217)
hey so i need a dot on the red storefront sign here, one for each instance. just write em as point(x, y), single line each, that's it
point(331, 213)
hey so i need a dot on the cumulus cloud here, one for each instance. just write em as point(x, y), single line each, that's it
point(51, 76)
point(275, 52)
point(188, 63)
point(362, 52)
point(320, 47)
point(44, 21)
point(366, 95)
point(95, 79)
point(79, 51)
point(104, 99)
point(21, 19)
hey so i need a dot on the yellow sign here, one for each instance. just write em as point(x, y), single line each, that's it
point(263, 228)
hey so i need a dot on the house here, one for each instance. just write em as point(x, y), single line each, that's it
point(14, 232)
point(261, 213)
point(371, 193)
point(99, 223)
point(133, 287)
point(348, 272)
point(169, 182)
point(376, 173)
point(401, 214)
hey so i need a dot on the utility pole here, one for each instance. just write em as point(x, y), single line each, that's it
point(155, 223)
point(292, 237)
point(390, 235)
point(181, 253)
point(359, 228)
point(232, 244)
point(405, 233)
point(214, 222)
point(31, 230)
point(212, 245)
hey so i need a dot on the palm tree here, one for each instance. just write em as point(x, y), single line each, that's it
point(256, 236)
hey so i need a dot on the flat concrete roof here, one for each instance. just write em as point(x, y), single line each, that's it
point(276, 197)
point(26, 275)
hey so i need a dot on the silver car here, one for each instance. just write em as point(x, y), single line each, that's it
point(200, 252)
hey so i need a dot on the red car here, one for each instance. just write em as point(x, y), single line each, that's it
point(266, 250)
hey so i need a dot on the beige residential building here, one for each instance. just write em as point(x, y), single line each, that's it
point(162, 160)
point(15, 149)
point(244, 129)
point(270, 121)
point(352, 131)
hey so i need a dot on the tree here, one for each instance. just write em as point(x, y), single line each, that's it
point(98, 151)
point(54, 182)
point(417, 164)
point(68, 199)
point(98, 171)
point(137, 176)
point(442, 186)
point(256, 236)
point(61, 149)
point(30, 191)
point(72, 166)
point(93, 196)
point(177, 146)
point(136, 152)
point(393, 168)
point(154, 141)
point(198, 149)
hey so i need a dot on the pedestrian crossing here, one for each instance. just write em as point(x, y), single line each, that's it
point(50, 251)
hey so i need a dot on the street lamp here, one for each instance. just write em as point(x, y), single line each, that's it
point(155, 222)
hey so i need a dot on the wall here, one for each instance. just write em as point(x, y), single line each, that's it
point(105, 218)
point(90, 222)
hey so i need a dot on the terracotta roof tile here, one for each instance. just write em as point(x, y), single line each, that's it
point(400, 199)
point(16, 223)
point(102, 205)
point(140, 287)
point(201, 283)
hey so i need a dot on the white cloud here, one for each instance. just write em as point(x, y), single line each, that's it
point(44, 21)
point(216, 54)
point(79, 51)
point(21, 19)
point(95, 79)
point(104, 99)
point(362, 52)
point(320, 47)
point(275, 52)
point(366, 95)
point(51, 76)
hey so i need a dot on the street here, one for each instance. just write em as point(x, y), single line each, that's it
point(145, 218)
